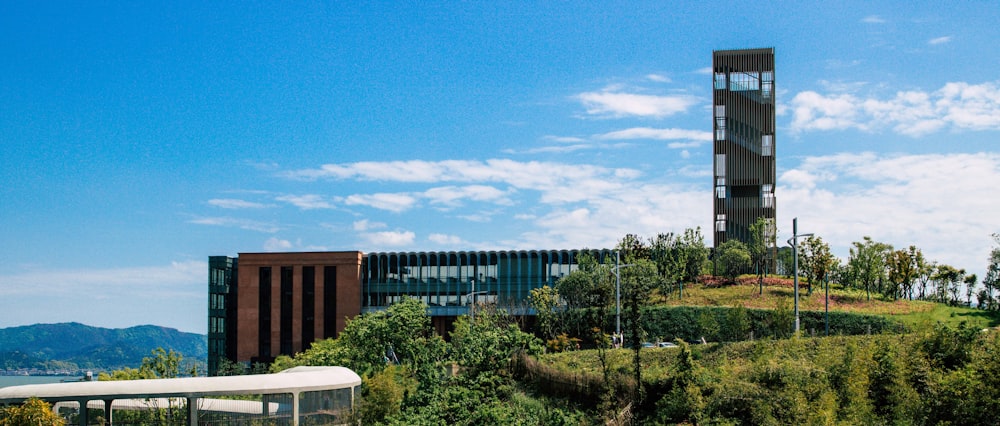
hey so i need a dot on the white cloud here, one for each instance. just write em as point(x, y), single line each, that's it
point(611, 104)
point(658, 78)
point(939, 40)
point(956, 106)
point(564, 139)
point(275, 244)
point(184, 278)
point(400, 171)
point(659, 134)
point(938, 202)
point(306, 202)
point(365, 225)
point(445, 239)
point(231, 203)
point(452, 196)
point(873, 19)
point(683, 145)
point(378, 240)
point(479, 217)
point(383, 201)
point(840, 86)
point(640, 208)
point(704, 71)
point(250, 225)
point(522, 175)
point(552, 149)
point(170, 295)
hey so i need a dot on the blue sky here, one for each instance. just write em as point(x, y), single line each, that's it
point(140, 138)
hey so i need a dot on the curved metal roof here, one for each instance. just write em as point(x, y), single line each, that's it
point(298, 379)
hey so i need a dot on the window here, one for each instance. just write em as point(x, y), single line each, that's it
point(767, 196)
point(767, 84)
point(264, 312)
point(767, 145)
point(720, 128)
point(720, 165)
point(720, 111)
point(720, 223)
point(720, 80)
point(744, 81)
point(286, 315)
point(720, 192)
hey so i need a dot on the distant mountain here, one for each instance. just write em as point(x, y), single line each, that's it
point(78, 346)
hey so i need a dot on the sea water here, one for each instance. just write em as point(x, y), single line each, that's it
point(33, 380)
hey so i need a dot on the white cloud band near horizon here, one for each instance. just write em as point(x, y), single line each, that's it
point(955, 106)
point(612, 104)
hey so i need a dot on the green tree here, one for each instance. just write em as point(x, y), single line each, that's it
point(486, 342)
point(925, 271)
point(991, 282)
point(903, 270)
point(669, 253)
point(815, 260)
point(948, 279)
point(545, 301)
point(370, 342)
point(587, 286)
point(970, 288)
point(762, 240)
point(695, 254)
point(868, 262)
point(733, 258)
point(637, 282)
point(737, 324)
point(32, 412)
point(685, 402)
point(384, 394)
point(785, 261)
point(161, 365)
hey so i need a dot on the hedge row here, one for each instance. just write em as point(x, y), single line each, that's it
point(714, 324)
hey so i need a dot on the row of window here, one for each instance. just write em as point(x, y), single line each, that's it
point(746, 81)
point(464, 278)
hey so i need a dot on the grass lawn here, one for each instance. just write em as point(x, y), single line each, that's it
point(917, 314)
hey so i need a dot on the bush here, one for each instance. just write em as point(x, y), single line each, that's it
point(691, 323)
point(32, 412)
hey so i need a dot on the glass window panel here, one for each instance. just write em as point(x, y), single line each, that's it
point(720, 80)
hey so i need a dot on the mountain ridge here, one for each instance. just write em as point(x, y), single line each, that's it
point(75, 346)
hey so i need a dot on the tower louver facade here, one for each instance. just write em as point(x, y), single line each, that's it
point(744, 139)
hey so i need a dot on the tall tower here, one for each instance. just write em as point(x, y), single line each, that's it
point(743, 117)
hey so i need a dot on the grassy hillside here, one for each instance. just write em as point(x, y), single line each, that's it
point(940, 376)
point(917, 314)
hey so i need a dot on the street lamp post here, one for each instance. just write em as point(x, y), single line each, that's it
point(794, 242)
point(618, 294)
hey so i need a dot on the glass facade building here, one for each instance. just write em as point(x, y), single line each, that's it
point(450, 282)
point(743, 87)
point(221, 309)
point(262, 305)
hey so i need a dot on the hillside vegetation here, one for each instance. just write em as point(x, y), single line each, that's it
point(74, 346)
point(943, 376)
point(918, 314)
